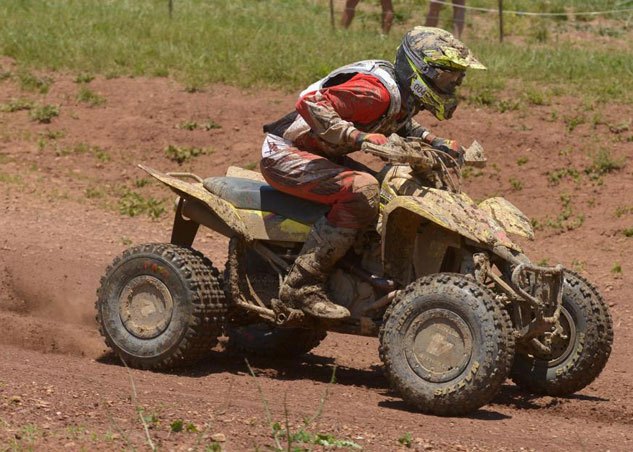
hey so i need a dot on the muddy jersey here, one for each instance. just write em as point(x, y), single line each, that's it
point(362, 96)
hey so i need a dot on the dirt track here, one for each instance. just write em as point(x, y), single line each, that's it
point(60, 388)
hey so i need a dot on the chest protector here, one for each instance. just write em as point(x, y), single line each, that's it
point(381, 69)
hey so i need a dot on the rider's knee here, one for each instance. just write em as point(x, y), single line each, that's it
point(365, 198)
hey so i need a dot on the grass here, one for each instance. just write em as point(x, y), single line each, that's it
point(133, 204)
point(16, 105)
point(87, 96)
point(44, 114)
point(119, 37)
point(182, 154)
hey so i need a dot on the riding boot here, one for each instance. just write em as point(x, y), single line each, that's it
point(304, 286)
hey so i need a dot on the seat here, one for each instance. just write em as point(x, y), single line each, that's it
point(256, 195)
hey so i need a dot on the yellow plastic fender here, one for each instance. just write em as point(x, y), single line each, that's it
point(508, 216)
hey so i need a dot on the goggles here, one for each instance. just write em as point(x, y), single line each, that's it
point(445, 80)
point(441, 104)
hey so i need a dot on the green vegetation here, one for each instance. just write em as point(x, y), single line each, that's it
point(16, 105)
point(133, 203)
point(616, 269)
point(84, 78)
point(44, 113)
point(30, 82)
point(87, 96)
point(406, 440)
point(183, 154)
point(516, 184)
point(119, 37)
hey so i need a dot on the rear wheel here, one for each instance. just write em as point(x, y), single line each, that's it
point(579, 354)
point(161, 306)
point(446, 345)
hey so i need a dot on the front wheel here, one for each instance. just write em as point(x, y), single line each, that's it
point(161, 306)
point(446, 345)
point(579, 354)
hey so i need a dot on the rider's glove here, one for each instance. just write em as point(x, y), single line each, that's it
point(374, 138)
point(451, 147)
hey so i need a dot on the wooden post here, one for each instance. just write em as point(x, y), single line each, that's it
point(332, 13)
point(500, 20)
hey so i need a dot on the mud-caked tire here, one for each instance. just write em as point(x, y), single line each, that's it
point(578, 360)
point(446, 345)
point(161, 306)
point(262, 339)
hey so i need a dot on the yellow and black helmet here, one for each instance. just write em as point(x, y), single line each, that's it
point(430, 64)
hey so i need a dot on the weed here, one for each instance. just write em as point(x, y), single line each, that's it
point(597, 120)
point(554, 177)
point(142, 182)
point(578, 266)
point(193, 87)
point(77, 148)
point(616, 269)
point(44, 113)
point(101, 154)
point(30, 82)
point(516, 184)
point(405, 440)
point(4, 75)
point(508, 105)
point(485, 97)
point(251, 166)
point(10, 178)
point(94, 193)
point(54, 134)
point(628, 232)
point(623, 210)
point(188, 125)
point(16, 105)
point(535, 97)
point(522, 161)
point(620, 128)
point(210, 124)
point(565, 220)
point(603, 163)
point(213, 447)
point(183, 154)
point(571, 122)
point(126, 241)
point(543, 262)
point(133, 204)
point(84, 77)
point(87, 96)
point(177, 426)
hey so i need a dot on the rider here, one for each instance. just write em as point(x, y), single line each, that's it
point(303, 152)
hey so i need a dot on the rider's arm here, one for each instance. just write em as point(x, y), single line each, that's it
point(333, 112)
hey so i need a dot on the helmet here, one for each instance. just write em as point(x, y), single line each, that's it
point(430, 64)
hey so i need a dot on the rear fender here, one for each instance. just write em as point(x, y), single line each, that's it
point(223, 217)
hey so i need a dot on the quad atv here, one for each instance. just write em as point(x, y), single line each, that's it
point(456, 305)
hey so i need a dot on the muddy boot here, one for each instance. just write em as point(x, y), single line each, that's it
point(304, 286)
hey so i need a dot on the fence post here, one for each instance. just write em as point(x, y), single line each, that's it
point(332, 13)
point(500, 20)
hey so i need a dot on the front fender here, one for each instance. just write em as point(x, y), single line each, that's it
point(508, 216)
point(455, 212)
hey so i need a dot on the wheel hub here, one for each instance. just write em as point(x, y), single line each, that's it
point(561, 343)
point(441, 345)
point(145, 307)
